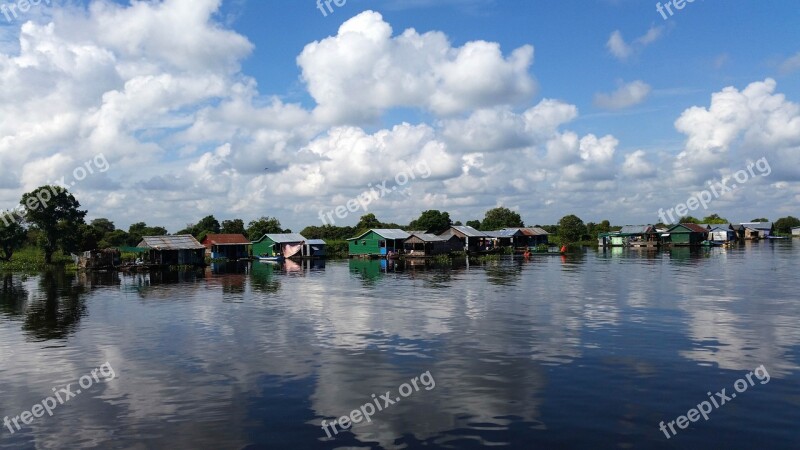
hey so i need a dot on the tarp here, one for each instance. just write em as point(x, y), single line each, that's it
point(291, 250)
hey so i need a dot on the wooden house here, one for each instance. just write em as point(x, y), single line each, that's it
point(378, 242)
point(109, 258)
point(181, 250)
point(288, 245)
point(314, 248)
point(519, 238)
point(754, 231)
point(424, 244)
point(471, 239)
point(631, 236)
point(686, 234)
point(721, 233)
point(229, 246)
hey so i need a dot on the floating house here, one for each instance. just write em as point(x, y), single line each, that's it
point(796, 231)
point(754, 231)
point(471, 239)
point(685, 234)
point(181, 250)
point(229, 246)
point(424, 244)
point(315, 248)
point(631, 236)
point(521, 238)
point(110, 258)
point(378, 242)
point(288, 245)
point(721, 233)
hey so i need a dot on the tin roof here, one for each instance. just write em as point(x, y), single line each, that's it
point(534, 231)
point(636, 229)
point(426, 237)
point(227, 239)
point(386, 233)
point(758, 225)
point(315, 242)
point(178, 242)
point(693, 227)
point(469, 231)
point(286, 238)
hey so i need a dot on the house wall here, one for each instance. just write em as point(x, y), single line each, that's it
point(366, 245)
point(264, 247)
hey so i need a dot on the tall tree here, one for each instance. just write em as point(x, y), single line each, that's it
point(432, 220)
point(368, 221)
point(12, 238)
point(256, 229)
point(763, 219)
point(234, 226)
point(785, 224)
point(140, 229)
point(474, 224)
point(715, 219)
point(498, 218)
point(571, 229)
point(54, 211)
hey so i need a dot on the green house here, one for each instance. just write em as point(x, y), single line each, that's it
point(687, 234)
point(285, 244)
point(378, 242)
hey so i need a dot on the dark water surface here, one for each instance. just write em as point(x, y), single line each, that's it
point(590, 351)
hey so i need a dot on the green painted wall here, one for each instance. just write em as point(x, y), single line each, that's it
point(682, 236)
point(368, 244)
point(263, 247)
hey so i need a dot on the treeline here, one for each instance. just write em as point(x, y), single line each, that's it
point(59, 224)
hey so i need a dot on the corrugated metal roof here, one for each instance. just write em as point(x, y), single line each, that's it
point(636, 229)
point(316, 242)
point(227, 239)
point(425, 237)
point(469, 231)
point(286, 238)
point(693, 227)
point(178, 242)
point(758, 225)
point(386, 233)
point(534, 231)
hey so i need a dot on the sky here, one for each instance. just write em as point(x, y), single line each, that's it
point(167, 111)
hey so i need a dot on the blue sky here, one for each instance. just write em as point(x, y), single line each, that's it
point(577, 112)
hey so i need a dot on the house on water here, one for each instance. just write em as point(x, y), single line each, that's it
point(229, 246)
point(754, 231)
point(378, 242)
point(181, 250)
point(288, 245)
point(796, 231)
point(424, 244)
point(631, 236)
point(721, 233)
point(685, 234)
point(315, 248)
point(519, 238)
point(471, 239)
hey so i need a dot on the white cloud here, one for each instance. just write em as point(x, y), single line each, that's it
point(363, 71)
point(625, 96)
point(791, 64)
point(621, 50)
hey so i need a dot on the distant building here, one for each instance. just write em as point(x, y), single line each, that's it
point(378, 242)
point(722, 233)
point(758, 230)
point(471, 239)
point(315, 248)
point(686, 234)
point(230, 246)
point(796, 231)
point(519, 237)
point(288, 245)
point(173, 250)
point(424, 244)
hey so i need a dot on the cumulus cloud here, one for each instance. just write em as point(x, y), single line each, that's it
point(627, 95)
point(365, 70)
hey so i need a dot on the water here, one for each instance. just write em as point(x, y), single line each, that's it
point(589, 351)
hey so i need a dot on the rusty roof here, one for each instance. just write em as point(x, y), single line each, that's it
point(178, 242)
point(227, 239)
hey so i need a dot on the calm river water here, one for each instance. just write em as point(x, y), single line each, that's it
point(589, 351)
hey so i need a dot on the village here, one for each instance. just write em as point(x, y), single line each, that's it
point(396, 243)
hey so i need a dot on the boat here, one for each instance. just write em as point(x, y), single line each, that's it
point(271, 258)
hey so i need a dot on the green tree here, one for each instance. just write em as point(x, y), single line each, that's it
point(714, 219)
point(498, 218)
point(432, 220)
point(256, 229)
point(140, 229)
point(235, 226)
point(54, 211)
point(571, 229)
point(690, 219)
point(763, 219)
point(784, 225)
point(116, 238)
point(12, 238)
point(367, 222)
point(103, 225)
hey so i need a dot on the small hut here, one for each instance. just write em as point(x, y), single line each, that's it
point(378, 242)
point(424, 244)
point(471, 239)
point(288, 245)
point(228, 246)
point(686, 234)
point(315, 248)
point(183, 250)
